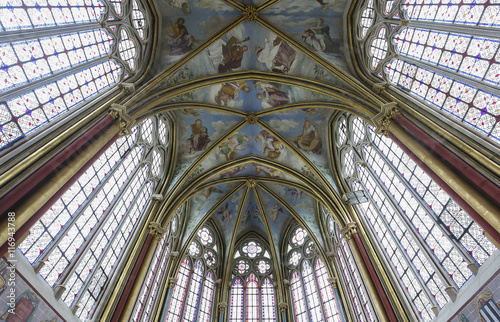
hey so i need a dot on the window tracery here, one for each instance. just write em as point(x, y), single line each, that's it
point(311, 291)
point(192, 297)
point(79, 241)
point(407, 208)
point(252, 293)
point(55, 56)
point(158, 268)
point(362, 307)
point(443, 54)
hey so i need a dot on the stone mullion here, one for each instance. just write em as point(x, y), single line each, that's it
point(11, 36)
point(60, 235)
point(353, 278)
point(84, 247)
point(18, 91)
point(451, 74)
point(103, 253)
point(155, 277)
point(408, 261)
point(146, 253)
point(478, 31)
point(444, 276)
point(471, 262)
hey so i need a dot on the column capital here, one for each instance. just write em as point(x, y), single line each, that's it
point(156, 230)
point(172, 282)
point(383, 119)
point(333, 282)
point(349, 229)
point(379, 88)
point(283, 307)
point(222, 306)
point(125, 121)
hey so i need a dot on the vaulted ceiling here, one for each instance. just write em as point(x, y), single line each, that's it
point(252, 87)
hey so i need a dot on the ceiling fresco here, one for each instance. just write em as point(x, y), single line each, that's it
point(186, 24)
point(253, 122)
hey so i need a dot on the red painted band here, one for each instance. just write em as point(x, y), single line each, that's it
point(27, 226)
point(22, 189)
point(375, 279)
point(128, 287)
point(465, 206)
point(488, 188)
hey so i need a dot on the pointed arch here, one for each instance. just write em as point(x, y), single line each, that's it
point(78, 242)
point(252, 290)
point(56, 59)
point(405, 208)
point(310, 287)
point(194, 292)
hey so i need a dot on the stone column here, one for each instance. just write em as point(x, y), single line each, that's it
point(374, 286)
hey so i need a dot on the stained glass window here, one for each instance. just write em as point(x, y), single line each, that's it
point(445, 54)
point(253, 268)
point(312, 294)
point(406, 210)
point(80, 240)
point(236, 314)
point(157, 272)
point(356, 289)
point(43, 77)
point(194, 299)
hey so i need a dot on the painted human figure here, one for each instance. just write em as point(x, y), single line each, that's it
point(309, 140)
point(275, 211)
point(227, 56)
point(318, 37)
point(230, 91)
point(271, 146)
point(181, 4)
point(267, 171)
point(199, 137)
point(272, 96)
point(179, 39)
point(233, 143)
point(278, 55)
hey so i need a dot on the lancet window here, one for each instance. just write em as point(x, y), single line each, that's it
point(55, 55)
point(405, 209)
point(252, 293)
point(80, 241)
point(443, 54)
point(348, 270)
point(311, 291)
point(151, 289)
point(194, 291)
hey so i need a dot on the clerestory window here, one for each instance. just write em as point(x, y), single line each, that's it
point(57, 54)
point(80, 241)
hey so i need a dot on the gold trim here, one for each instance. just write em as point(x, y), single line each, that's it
point(272, 245)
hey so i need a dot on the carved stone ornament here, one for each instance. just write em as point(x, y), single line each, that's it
point(349, 230)
point(331, 255)
point(379, 88)
point(172, 282)
point(156, 230)
point(383, 119)
point(125, 121)
point(128, 88)
point(250, 13)
point(251, 118)
point(251, 182)
point(222, 306)
point(333, 281)
point(404, 22)
point(283, 306)
point(157, 197)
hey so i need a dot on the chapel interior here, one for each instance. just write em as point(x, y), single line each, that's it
point(250, 160)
